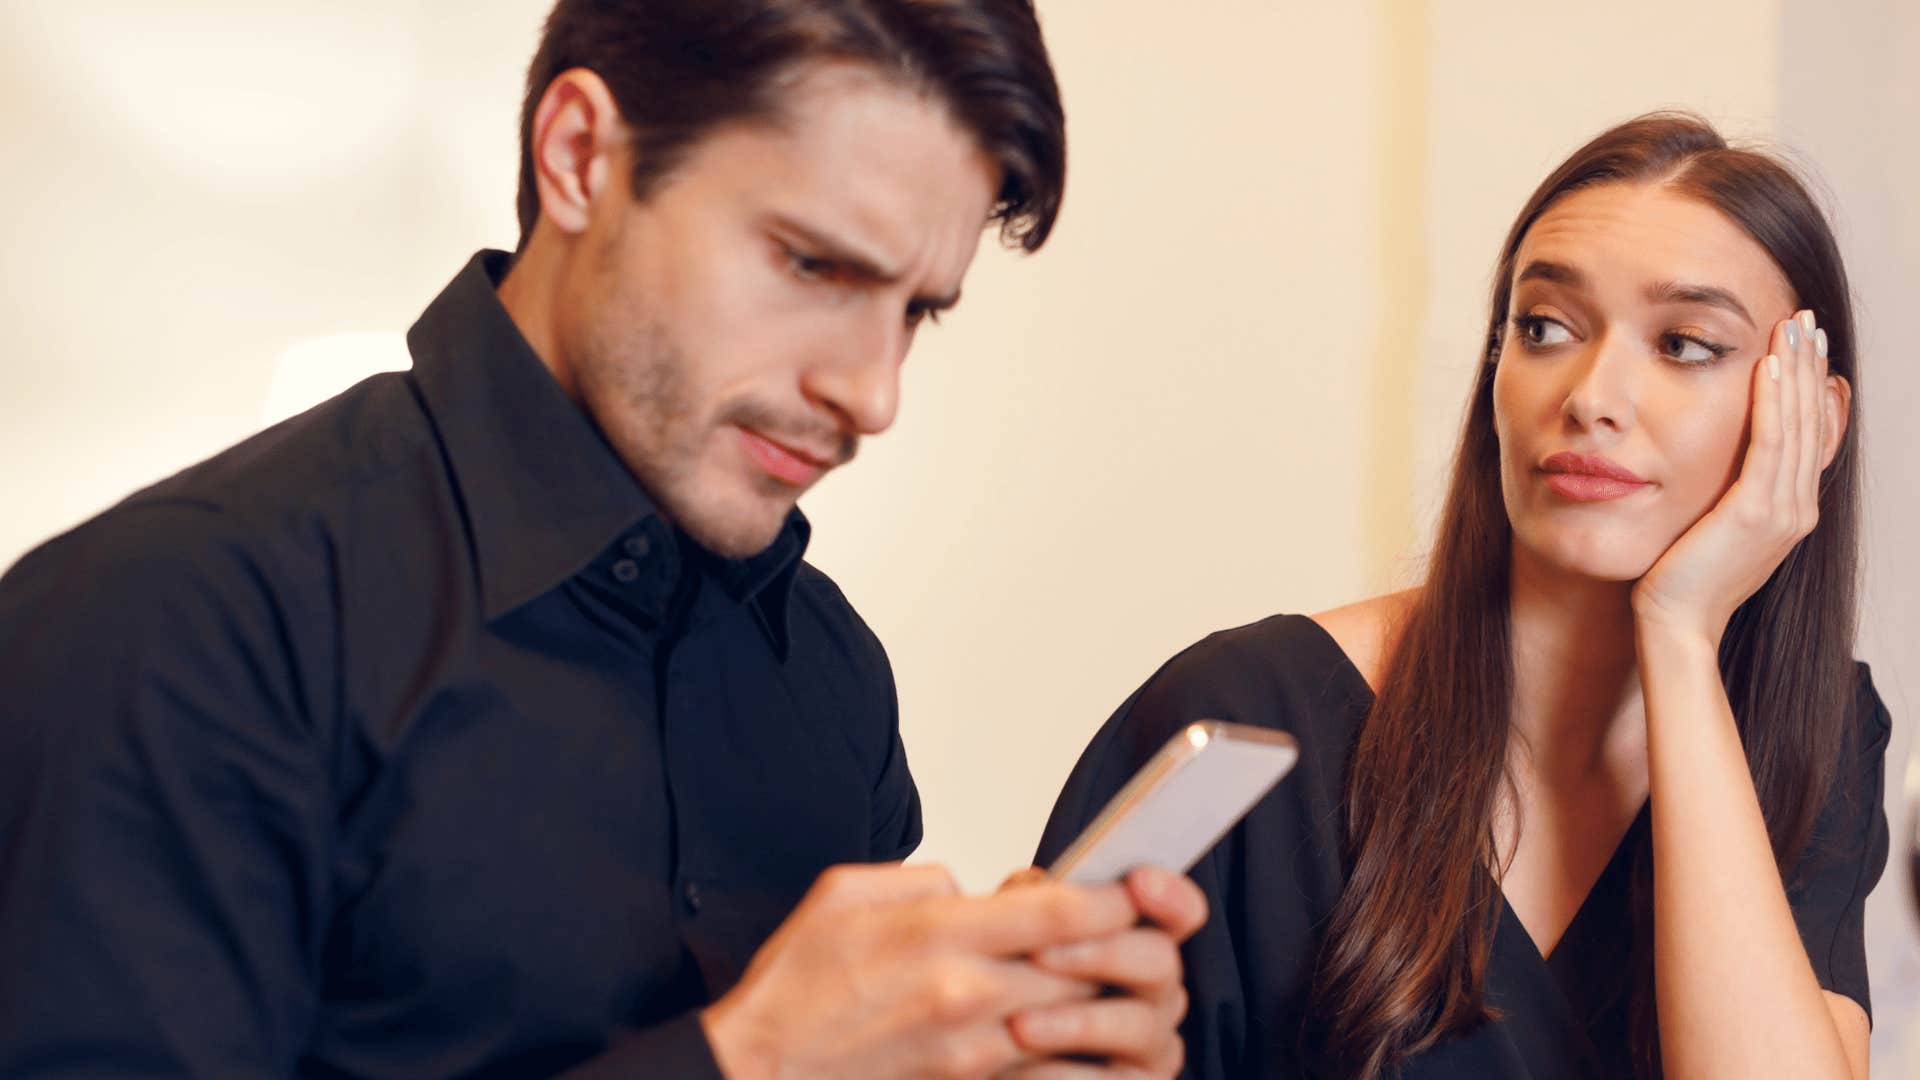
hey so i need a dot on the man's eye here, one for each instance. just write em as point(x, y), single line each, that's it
point(808, 267)
point(1540, 332)
point(917, 315)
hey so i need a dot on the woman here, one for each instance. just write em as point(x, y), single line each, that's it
point(1602, 797)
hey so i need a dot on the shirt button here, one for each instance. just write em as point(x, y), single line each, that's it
point(691, 893)
point(638, 546)
point(626, 571)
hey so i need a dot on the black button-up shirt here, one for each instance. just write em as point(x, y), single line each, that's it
point(406, 739)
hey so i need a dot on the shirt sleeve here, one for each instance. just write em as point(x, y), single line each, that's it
point(897, 827)
point(1847, 854)
point(677, 1048)
point(164, 818)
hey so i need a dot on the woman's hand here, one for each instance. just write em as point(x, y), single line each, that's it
point(1774, 503)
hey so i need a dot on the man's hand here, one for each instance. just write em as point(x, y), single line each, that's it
point(887, 971)
point(1135, 1031)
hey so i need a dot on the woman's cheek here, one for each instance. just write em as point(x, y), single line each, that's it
point(1705, 454)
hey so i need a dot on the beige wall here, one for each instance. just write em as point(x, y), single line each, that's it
point(1850, 102)
point(1227, 388)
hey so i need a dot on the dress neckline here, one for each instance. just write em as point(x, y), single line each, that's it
point(1589, 947)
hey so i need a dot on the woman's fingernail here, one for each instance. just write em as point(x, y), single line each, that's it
point(1773, 366)
point(1820, 343)
point(1806, 321)
point(1793, 333)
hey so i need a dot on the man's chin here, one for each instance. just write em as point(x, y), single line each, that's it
point(734, 537)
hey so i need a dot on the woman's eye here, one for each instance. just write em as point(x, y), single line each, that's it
point(1687, 349)
point(1541, 332)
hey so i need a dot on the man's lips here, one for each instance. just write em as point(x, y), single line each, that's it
point(788, 464)
point(1589, 477)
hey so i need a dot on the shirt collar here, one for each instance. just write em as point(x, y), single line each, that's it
point(544, 494)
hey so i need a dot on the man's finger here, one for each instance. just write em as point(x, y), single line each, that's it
point(1018, 986)
point(1168, 900)
point(1055, 1069)
point(1138, 959)
point(1125, 1029)
point(1024, 920)
point(857, 884)
point(1032, 875)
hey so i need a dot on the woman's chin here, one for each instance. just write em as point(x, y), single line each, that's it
point(1594, 558)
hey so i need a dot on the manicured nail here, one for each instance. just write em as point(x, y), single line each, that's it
point(1806, 321)
point(1773, 366)
point(1793, 333)
point(1820, 343)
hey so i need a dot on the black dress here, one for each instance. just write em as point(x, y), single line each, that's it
point(1272, 883)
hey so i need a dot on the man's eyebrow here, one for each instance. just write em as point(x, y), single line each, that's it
point(858, 263)
point(1674, 292)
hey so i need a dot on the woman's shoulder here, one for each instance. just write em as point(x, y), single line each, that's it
point(1861, 777)
point(1365, 631)
point(1872, 722)
point(1284, 672)
point(1305, 674)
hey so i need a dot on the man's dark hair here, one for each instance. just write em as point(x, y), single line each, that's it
point(678, 69)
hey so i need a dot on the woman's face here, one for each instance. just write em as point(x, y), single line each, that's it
point(1623, 387)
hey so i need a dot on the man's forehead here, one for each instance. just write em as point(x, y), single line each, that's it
point(875, 165)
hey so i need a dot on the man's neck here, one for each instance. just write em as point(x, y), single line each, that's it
point(528, 293)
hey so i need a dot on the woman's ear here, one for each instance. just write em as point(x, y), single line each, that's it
point(577, 132)
point(1836, 406)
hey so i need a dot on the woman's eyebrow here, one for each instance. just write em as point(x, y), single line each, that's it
point(1660, 292)
point(1674, 292)
point(1558, 273)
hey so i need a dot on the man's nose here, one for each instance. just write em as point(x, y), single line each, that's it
point(859, 378)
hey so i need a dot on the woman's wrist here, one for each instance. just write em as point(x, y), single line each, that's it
point(1661, 638)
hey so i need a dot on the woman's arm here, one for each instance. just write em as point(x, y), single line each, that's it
point(1736, 993)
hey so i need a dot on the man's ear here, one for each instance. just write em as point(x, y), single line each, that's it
point(1836, 406)
point(577, 136)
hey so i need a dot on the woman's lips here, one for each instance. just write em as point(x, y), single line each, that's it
point(1589, 477)
point(782, 462)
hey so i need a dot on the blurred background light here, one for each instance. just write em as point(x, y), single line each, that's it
point(236, 94)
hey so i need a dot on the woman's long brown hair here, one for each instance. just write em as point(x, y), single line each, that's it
point(1405, 960)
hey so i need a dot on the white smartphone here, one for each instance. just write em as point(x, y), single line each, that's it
point(1180, 803)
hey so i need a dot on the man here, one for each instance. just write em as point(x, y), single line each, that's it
point(484, 720)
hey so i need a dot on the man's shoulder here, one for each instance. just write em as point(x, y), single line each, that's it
point(348, 441)
point(820, 616)
point(258, 515)
point(820, 606)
